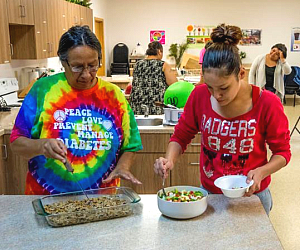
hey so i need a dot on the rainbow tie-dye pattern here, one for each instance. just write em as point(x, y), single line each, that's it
point(97, 125)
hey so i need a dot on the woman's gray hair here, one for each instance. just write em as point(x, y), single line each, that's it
point(77, 36)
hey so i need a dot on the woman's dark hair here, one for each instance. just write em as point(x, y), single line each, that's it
point(282, 48)
point(223, 54)
point(77, 36)
point(210, 42)
point(153, 48)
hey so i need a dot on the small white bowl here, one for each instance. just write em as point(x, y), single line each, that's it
point(182, 210)
point(233, 186)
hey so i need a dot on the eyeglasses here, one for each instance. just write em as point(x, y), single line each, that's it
point(80, 69)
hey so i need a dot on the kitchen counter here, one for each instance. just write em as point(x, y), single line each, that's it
point(7, 121)
point(226, 224)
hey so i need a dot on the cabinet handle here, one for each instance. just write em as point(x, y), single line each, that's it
point(196, 144)
point(194, 163)
point(11, 49)
point(21, 10)
point(24, 11)
point(5, 151)
point(49, 47)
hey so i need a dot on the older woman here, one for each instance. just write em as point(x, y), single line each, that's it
point(76, 116)
point(267, 71)
point(151, 77)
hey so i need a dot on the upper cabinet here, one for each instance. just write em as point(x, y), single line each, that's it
point(53, 24)
point(39, 38)
point(86, 17)
point(41, 29)
point(20, 12)
point(74, 14)
point(5, 48)
point(63, 16)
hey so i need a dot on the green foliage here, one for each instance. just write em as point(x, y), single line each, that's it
point(177, 50)
point(85, 3)
point(243, 55)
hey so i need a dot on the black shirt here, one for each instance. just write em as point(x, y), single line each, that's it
point(270, 76)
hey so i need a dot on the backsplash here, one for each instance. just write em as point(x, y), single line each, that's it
point(14, 68)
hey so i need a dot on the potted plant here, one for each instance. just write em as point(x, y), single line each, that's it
point(243, 55)
point(85, 3)
point(176, 51)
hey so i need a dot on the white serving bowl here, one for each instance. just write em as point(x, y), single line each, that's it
point(182, 210)
point(233, 186)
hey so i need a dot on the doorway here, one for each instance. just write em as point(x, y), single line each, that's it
point(99, 32)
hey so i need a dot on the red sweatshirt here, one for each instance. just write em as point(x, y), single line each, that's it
point(237, 145)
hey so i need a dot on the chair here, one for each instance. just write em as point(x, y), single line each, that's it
point(291, 87)
point(295, 127)
point(120, 64)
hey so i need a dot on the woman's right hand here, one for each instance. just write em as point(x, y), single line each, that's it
point(53, 148)
point(162, 167)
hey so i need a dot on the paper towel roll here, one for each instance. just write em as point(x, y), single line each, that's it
point(33, 75)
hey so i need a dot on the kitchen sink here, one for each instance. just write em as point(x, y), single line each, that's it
point(148, 121)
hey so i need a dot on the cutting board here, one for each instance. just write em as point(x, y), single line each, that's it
point(25, 91)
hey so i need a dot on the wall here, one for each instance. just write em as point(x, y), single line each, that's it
point(131, 21)
point(100, 11)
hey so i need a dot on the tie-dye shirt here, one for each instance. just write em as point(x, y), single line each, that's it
point(97, 125)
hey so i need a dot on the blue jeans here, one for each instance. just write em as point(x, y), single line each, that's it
point(265, 198)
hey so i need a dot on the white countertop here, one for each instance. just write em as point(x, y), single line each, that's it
point(240, 224)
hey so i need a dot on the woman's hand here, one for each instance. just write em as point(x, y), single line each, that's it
point(162, 167)
point(257, 176)
point(121, 172)
point(53, 148)
point(282, 59)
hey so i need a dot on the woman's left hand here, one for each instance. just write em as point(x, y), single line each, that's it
point(282, 59)
point(121, 172)
point(257, 176)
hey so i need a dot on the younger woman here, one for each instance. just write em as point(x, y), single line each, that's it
point(236, 121)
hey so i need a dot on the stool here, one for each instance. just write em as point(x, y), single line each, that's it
point(295, 127)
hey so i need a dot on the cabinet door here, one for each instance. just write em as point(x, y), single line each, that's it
point(74, 15)
point(41, 33)
point(86, 17)
point(53, 31)
point(27, 12)
point(154, 146)
point(14, 9)
point(142, 169)
point(186, 171)
point(16, 170)
point(20, 12)
point(153, 143)
point(89, 18)
point(62, 12)
point(83, 15)
point(5, 56)
point(3, 155)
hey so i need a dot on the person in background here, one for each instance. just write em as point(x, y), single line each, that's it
point(77, 117)
point(202, 52)
point(267, 71)
point(236, 121)
point(151, 77)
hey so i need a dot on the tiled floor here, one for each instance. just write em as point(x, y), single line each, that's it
point(285, 188)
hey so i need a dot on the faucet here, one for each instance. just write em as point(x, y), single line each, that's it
point(146, 110)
